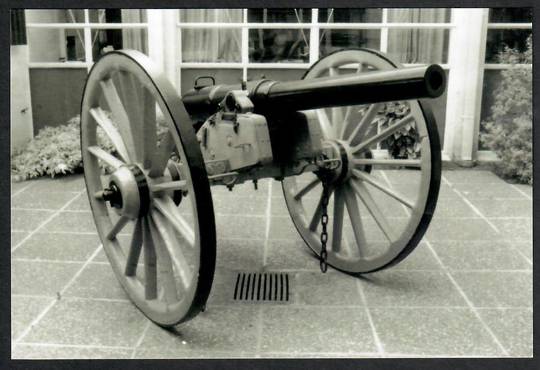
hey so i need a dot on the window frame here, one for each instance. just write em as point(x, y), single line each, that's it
point(87, 28)
point(314, 27)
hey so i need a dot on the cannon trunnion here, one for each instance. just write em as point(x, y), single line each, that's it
point(353, 143)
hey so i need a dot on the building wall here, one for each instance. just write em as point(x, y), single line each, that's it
point(20, 103)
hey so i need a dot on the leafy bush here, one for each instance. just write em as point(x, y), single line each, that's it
point(53, 151)
point(57, 150)
point(403, 143)
point(508, 130)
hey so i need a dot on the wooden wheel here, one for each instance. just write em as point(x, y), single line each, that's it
point(155, 199)
point(379, 207)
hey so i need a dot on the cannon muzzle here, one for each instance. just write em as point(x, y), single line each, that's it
point(349, 89)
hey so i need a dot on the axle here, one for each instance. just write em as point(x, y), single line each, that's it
point(344, 90)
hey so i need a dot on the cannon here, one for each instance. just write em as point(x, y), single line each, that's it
point(151, 156)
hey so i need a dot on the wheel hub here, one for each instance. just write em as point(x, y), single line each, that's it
point(128, 192)
point(342, 150)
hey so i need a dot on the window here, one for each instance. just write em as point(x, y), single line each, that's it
point(77, 37)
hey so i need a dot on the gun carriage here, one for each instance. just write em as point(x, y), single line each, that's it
point(318, 136)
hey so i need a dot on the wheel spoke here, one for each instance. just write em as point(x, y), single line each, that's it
point(120, 224)
point(388, 162)
point(170, 185)
point(306, 189)
point(168, 209)
point(165, 267)
point(383, 134)
point(316, 218)
point(162, 155)
point(150, 128)
point(371, 180)
point(129, 91)
point(356, 220)
point(337, 112)
point(112, 133)
point(172, 245)
point(337, 219)
point(119, 114)
point(326, 126)
point(373, 209)
point(105, 157)
point(150, 263)
point(360, 130)
point(134, 249)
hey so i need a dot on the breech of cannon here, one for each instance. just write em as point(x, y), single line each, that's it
point(352, 89)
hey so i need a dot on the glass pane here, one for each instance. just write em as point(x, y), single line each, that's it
point(211, 45)
point(332, 40)
point(279, 15)
point(418, 45)
point(211, 15)
point(340, 15)
point(498, 39)
point(117, 15)
point(273, 46)
point(54, 16)
point(55, 45)
point(424, 15)
point(108, 40)
point(510, 15)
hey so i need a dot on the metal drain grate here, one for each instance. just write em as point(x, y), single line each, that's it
point(262, 287)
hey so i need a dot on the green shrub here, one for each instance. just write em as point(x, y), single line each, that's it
point(53, 151)
point(404, 143)
point(508, 130)
point(57, 150)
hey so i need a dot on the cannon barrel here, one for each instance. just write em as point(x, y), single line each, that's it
point(348, 89)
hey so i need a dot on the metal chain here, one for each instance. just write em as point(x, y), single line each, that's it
point(324, 233)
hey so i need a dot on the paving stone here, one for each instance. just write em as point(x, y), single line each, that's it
point(24, 309)
point(479, 255)
point(527, 189)
point(410, 288)
point(17, 236)
point(96, 281)
point(245, 189)
point(490, 191)
point(173, 353)
point(526, 248)
point(244, 227)
point(71, 222)
point(333, 288)
point(240, 253)
point(421, 258)
point(60, 247)
point(290, 255)
point(437, 331)
point(240, 205)
point(283, 228)
point(35, 352)
point(515, 229)
point(41, 278)
point(39, 200)
point(80, 204)
point(28, 220)
point(67, 183)
point(217, 329)
point(471, 176)
point(452, 207)
point(513, 327)
point(88, 322)
point(465, 229)
point(297, 330)
point(17, 186)
point(496, 288)
point(499, 208)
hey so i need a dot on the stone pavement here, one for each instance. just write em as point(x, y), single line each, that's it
point(465, 291)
